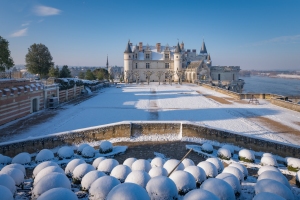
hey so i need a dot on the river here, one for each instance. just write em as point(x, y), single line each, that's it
point(263, 84)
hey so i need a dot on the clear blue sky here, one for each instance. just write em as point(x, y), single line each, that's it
point(253, 34)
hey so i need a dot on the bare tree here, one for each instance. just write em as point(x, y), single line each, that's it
point(128, 74)
point(159, 75)
point(180, 74)
point(148, 74)
point(137, 76)
point(170, 74)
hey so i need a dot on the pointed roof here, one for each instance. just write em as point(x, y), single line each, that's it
point(128, 48)
point(107, 61)
point(203, 48)
point(208, 57)
point(178, 49)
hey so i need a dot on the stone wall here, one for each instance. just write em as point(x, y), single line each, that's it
point(286, 104)
point(129, 129)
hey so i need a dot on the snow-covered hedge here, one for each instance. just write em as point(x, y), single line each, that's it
point(141, 164)
point(16, 174)
point(129, 161)
point(276, 176)
point(65, 153)
point(162, 187)
point(209, 168)
point(140, 178)
point(232, 180)
point(107, 165)
point(81, 147)
point(267, 195)
point(120, 172)
point(5, 193)
point(216, 162)
point(8, 181)
point(89, 178)
point(72, 165)
point(158, 171)
point(22, 158)
point(4, 160)
point(88, 152)
point(200, 194)
point(170, 164)
point(97, 161)
point(219, 188)
point(267, 168)
point(44, 155)
point(268, 160)
point(224, 153)
point(46, 171)
point(234, 171)
point(157, 162)
point(105, 147)
point(80, 171)
point(16, 165)
point(275, 187)
point(293, 164)
point(184, 181)
point(102, 186)
point(58, 194)
point(207, 148)
point(298, 178)
point(240, 167)
point(246, 155)
point(42, 166)
point(229, 147)
point(198, 173)
point(187, 162)
point(128, 191)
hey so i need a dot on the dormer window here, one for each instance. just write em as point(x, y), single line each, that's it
point(166, 56)
point(147, 56)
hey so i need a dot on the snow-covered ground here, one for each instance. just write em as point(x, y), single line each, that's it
point(186, 102)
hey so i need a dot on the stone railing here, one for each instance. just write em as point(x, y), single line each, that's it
point(128, 129)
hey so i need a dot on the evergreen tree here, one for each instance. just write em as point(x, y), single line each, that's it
point(81, 75)
point(38, 59)
point(101, 73)
point(65, 72)
point(54, 71)
point(6, 60)
point(89, 75)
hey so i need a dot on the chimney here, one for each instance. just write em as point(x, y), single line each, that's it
point(182, 45)
point(158, 47)
point(130, 44)
point(140, 46)
point(188, 50)
point(194, 50)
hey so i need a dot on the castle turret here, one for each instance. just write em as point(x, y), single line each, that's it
point(177, 61)
point(107, 63)
point(208, 61)
point(203, 48)
point(127, 59)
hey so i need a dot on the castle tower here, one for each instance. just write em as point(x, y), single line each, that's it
point(177, 61)
point(203, 48)
point(127, 59)
point(208, 61)
point(107, 63)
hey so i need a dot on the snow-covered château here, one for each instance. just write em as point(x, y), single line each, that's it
point(179, 63)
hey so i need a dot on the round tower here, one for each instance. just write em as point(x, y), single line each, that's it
point(177, 62)
point(127, 60)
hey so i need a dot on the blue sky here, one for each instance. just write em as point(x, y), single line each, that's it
point(253, 34)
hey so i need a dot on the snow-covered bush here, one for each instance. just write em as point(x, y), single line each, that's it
point(209, 169)
point(216, 162)
point(158, 171)
point(102, 186)
point(234, 171)
point(107, 165)
point(267, 154)
point(240, 167)
point(199, 194)
point(293, 164)
point(120, 172)
point(219, 188)
point(298, 178)
point(8, 181)
point(18, 166)
point(42, 166)
point(157, 162)
point(65, 153)
point(184, 181)
point(140, 178)
point(5, 193)
point(15, 173)
point(161, 187)
point(170, 164)
point(88, 152)
point(232, 180)
point(72, 165)
point(229, 147)
point(187, 162)
point(141, 164)
point(50, 181)
point(97, 161)
point(267, 195)
point(128, 191)
point(81, 147)
point(268, 160)
point(246, 155)
point(22, 158)
point(58, 194)
point(44, 155)
point(80, 171)
point(276, 176)
point(198, 173)
point(89, 178)
point(267, 168)
point(129, 161)
point(207, 148)
point(4, 160)
point(105, 147)
point(224, 153)
point(275, 187)
point(45, 171)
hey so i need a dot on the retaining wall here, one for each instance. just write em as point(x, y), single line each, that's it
point(131, 129)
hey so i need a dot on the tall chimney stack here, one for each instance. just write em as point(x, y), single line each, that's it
point(140, 46)
point(158, 47)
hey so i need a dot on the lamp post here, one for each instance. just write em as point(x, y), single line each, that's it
point(148, 74)
point(159, 74)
